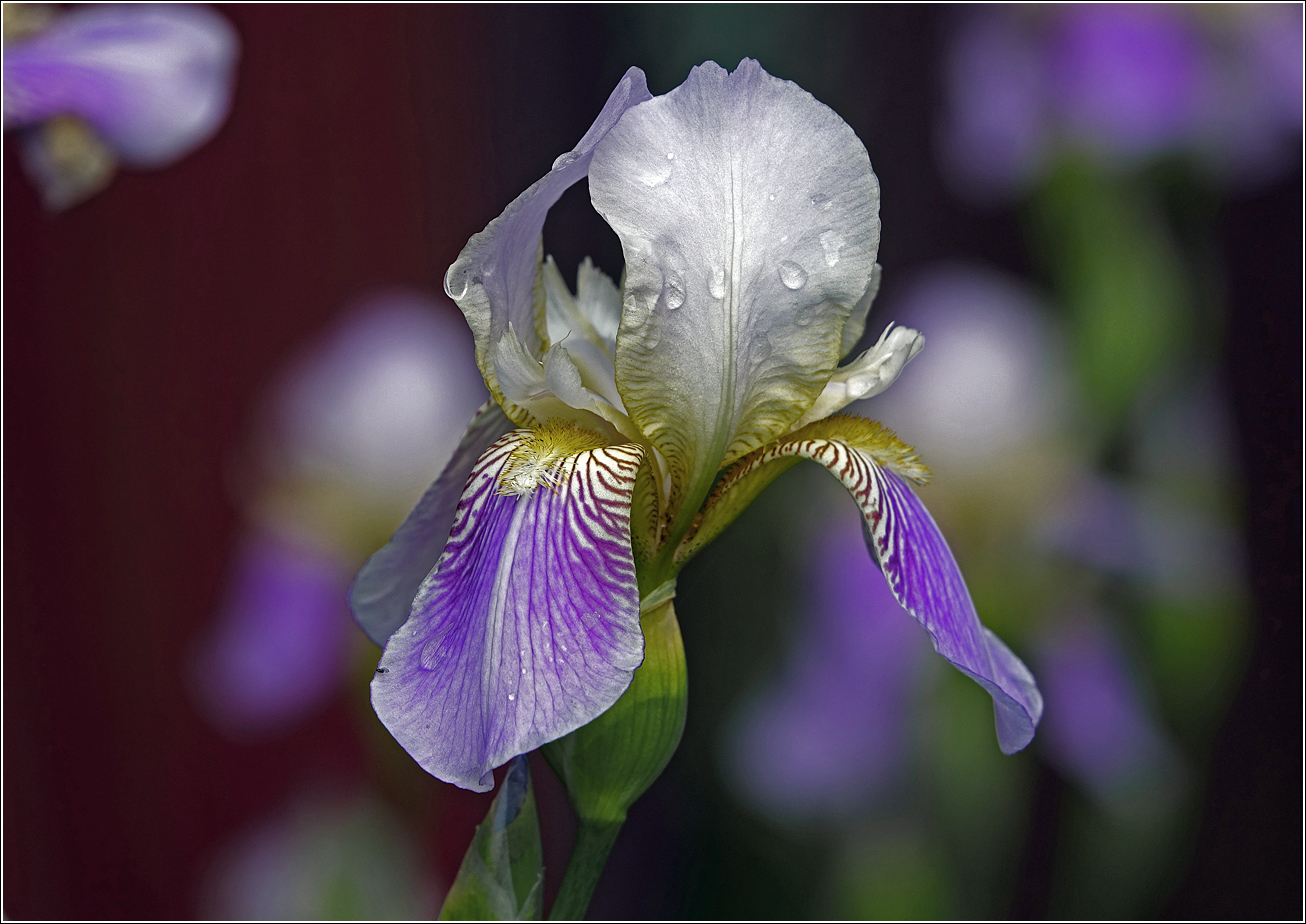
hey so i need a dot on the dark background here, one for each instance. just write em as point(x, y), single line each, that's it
point(364, 146)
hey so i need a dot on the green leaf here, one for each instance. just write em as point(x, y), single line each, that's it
point(502, 875)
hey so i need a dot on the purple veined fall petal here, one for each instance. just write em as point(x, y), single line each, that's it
point(154, 81)
point(925, 578)
point(493, 278)
point(529, 626)
point(382, 593)
point(871, 462)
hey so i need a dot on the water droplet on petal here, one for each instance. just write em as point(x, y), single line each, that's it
point(511, 697)
point(671, 155)
point(523, 670)
point(772, 197)
point(674, 292)
point(831, 242)
point(821, 201)
point(565, 160)
point(455, 281)
point(656, 173)
point(792, 275)
point(716, 282)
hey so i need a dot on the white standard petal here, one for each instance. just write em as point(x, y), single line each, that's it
point(748, 216)
point(867, 375)
point(493, 279)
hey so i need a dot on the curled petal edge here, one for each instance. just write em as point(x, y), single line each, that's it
point(875, 467)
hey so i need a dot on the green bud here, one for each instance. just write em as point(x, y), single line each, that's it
point(502, 874)
point(609, 763)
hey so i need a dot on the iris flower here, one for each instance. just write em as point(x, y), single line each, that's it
point(630, 424)
point(144, 85)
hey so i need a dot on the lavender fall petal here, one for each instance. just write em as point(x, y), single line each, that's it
point(383, 591)
point(925, 578)
point(529, 626)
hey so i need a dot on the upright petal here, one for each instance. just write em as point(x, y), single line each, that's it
point(383, 592)
point(494, 278)
point(872, 463)
point(155, 81)
point(748, 216)
point(529, 627)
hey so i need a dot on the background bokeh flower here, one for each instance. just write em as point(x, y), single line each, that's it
point(145, 85)
point(351, 434)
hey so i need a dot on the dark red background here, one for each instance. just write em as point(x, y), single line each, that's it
point(138, 327)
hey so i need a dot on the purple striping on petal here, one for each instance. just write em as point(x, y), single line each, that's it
point(529, 626)
point(382, 593)
point(925, 578)
point(154, 81)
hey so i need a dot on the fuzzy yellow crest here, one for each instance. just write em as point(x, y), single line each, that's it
point(541, 454)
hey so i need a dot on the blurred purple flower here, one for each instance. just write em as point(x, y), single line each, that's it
point(830, 734)
point(1097, 728)
point(989, 380)
point(363, 417)
point(282, 639)
point(1122, 81)
point(1179, 551)
point(383, 401)
point(153, 82)
point(1127, 77)
point(995, 135)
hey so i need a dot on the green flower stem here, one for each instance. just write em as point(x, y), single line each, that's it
point(594, 842)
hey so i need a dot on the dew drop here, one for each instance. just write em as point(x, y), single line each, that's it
point(656, 174)
point(792, 275)
point(523, 670)
point(831, 242)
point(565, 160)
point(716, 282)
point(455, 281)
point(671, 155)
point(674, 292)
point(772, 197)
point(821, 201)
point(511, 697)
